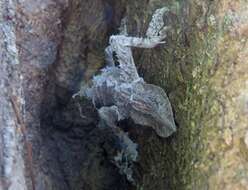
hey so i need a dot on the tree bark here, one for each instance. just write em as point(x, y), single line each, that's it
point(12, 167)
point(48, 49)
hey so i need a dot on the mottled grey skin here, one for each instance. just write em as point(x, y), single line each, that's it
point(145, 104)
point(119, 93)
point(120, 89)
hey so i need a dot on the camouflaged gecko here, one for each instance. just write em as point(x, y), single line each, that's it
point(119, 93)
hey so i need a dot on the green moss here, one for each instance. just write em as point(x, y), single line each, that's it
point(185, 73)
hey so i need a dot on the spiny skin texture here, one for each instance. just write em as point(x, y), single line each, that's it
point(120, 85)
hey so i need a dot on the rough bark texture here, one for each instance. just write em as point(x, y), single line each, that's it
point(202, 67)
point(204, 72)
point(12, 175)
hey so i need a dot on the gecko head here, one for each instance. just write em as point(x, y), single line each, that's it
point(164, 123)
point(152, 108)
point(162, 120)
point(164, 127)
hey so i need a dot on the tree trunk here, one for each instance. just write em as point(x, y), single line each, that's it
point(50, 141)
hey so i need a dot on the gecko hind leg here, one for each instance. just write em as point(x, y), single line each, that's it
point(127, 154)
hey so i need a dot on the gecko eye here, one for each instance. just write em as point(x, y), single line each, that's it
point(115, 58)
